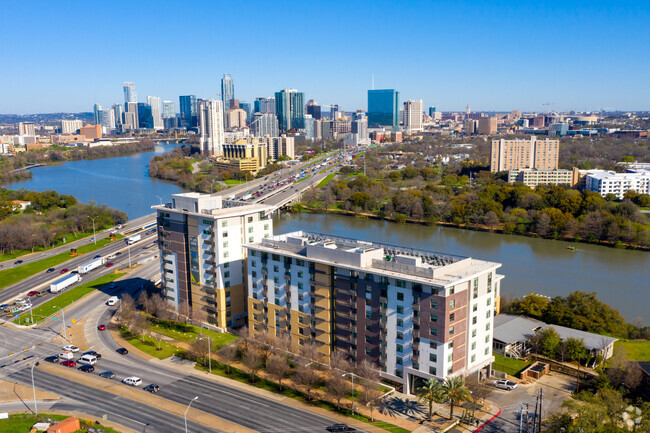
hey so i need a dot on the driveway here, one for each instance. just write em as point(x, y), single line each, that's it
point(556, 388)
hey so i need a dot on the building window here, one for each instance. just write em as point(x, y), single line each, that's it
point(434, 305)
point(225, 254)
point(400, 348)
point(451, 330)
point(452, 303)
point(266, 226)
point(434, 331)
point(434, 317)
point(399, 361)
point(300, 262)
point(452, 290)
point(474, 319)
point(487, 326)
point(368, 340)
point(226, 274)
point(368, 312)
point(450, 370)
point(225, 244)
point(400, 335)
point(473, 332)
point(432, 370)
point(300, 274)
point(487, 315)
point(450, 345)
point(253, 263)
point(225, 234)
point(450, 358)
point(250, 219)
point(489, 301)
point(368, 327)
point(400, 309)
point(400, 296)
point(474, 308)
point(474, 345)
point(251, 239)
point(475, 295)
point(368, 351)
point(368, 293)
point(452, 317)
point(487, 350)
point(476, 283)
point(250, 229)
point(226, 265)
point(400, 323)
point(300, 286)
point(253, 253)
point(487, 338)
point(224, 223)
point(473, 359)
point(433, 357)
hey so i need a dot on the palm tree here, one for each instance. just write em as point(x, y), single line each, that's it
point(455, 392)
point(431, 392)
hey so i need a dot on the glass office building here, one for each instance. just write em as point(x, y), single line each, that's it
point(383, 108)
point(290, 109)
point(188, 110)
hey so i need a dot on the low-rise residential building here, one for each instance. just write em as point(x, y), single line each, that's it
point(533, 177)
point(202, 254)
point(415, 314)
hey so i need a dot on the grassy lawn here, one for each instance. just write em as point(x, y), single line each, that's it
point(19, 273)
point(233, 182)
point(68, 238)
point(509, 366)
point(183, 332)
point(304, 178)
point(150, 345)
point(22, 423)
point(323, 183)
point(636, 350)
point(66, 298)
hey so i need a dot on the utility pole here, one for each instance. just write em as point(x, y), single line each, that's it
point(541, 403)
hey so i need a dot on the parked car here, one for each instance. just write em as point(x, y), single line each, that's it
point(32, 293)
point(52, 358)
point(87, 368)
point(50, 270)
point(109, 264)
point(505, 384)
point(69, 363)
point(152, 388)
point(71, 348)
point(102, 327)
point(63, 271)
point(122, 351)
point(93, 353)
point(107, 374)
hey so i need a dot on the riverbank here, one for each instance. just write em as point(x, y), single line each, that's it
point(402, 219)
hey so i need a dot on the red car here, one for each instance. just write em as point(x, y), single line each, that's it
point(63, 271)
point(102, 327)
point(32, 293)
point(69, 363)
point(109, 264)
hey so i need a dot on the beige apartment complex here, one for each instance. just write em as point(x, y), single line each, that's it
point(487, 125)
point(533, 177)
point(519, 154)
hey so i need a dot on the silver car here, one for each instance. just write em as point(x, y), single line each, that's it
point(505, 384)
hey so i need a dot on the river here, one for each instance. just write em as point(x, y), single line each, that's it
point(620, 277)
point(122, 183)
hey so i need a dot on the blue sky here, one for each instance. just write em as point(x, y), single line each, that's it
point(493, 55)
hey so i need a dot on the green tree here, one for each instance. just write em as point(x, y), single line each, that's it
point(455, 392)
point(546, 342)
point(531, 305)
point(575, 350)
point(431, 392)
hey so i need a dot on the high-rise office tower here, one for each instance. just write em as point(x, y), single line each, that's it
point(309, 127)
point(290, 109)
point(432, 110)
point(107, 119)
point(188, 111)
point(169, 109)
point(246, 106)
point(118, 112)
point(413, 116)
point(129, 93)
point(210, 123)
point(415, 314)
point(264, 105)
point(313, 109)
point(521, 154)
point(131, 113)
point(96, 109)
point(383, 108)
point(202, 256)
point(227, 91)
point(235, 118)
point(265, 124)
point(156, 111)
point(145, 116)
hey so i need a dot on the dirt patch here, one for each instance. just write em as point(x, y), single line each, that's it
point(138, 395)
point(10, 392)
point(75, 334)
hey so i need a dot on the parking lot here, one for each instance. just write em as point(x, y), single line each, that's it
point(557, 388)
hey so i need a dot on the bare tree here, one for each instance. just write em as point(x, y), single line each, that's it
point(308, 378)
point(126, 312)
point(229, 355)
point(140, 325)
point(278, 367)
point(310, 351)
point(282, 343)
point(200, 348)
point(337, 388)
point(265, 342)
point(368, 372)
point(199, 316)
point(251, 359)
point(244, 338)
point(634, 375)
point(184, 312)
point(370, 397)
point(159, 306)
point(339, 361)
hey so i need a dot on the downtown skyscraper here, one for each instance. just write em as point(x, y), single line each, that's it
point(227, 91)
point(383, 108)
point(290, 109)
point(210, 122)
point(188, 110)
point(129, 93)
point(156, 111)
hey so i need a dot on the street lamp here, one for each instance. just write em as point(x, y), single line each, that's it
point(128, 247)
point(34, 388)
point(188, 408)
point(209, 353)
point(94, 236)
point(352, 377)
point(63, 313)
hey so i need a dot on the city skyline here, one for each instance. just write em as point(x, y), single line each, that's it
point(472, 53)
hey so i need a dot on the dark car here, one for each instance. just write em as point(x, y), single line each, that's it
point(52, 358)
point(17, 262)
point(97, 257)
point(107, 374)
point(87, 368)
point(32, 293)
point(69, 363)
point(122, 351)
point(93, 353)
point(63, 271)
point(152, 388)
point(340, 428)
point(50, 270)
point(118, 253)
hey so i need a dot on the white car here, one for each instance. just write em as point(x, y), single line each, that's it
point(71, 348)
point(133, 381)
point(505, 384)
point(111, 257)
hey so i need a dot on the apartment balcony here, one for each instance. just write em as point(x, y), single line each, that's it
point(211, 243)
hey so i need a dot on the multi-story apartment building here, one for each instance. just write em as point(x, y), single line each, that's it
point(520, 154)
point(265, 124)
point(532, 177)
point(210, 123)
point(413, 116)
point(608, 182)
point(26, 128)
point(415, 314)
point(71, 126)
point(202, 254)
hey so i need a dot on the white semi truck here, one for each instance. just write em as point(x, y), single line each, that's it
point(83, 269)
point(133, 239)
point(64, 282)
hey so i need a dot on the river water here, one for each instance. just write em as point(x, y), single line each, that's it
point(122, 183)
point(620, 277)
